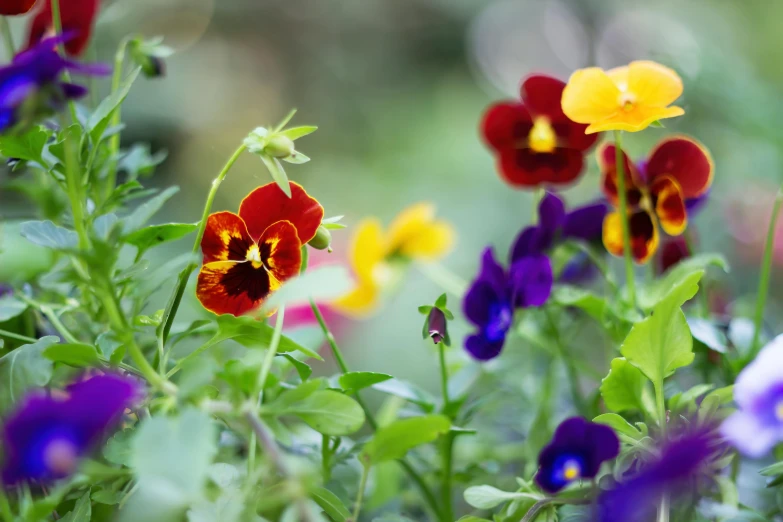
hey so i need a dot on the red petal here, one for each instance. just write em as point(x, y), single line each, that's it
point(281, 252)
point(506, 125)
point(77, 17)
point(644, 235)
point(672, 252)
point(684, 159)
point(268, 204)
point(669, 205)
point(230, 287)
point(541, 94)
point(525, 168)
point(225, 238)
point(606, 163)
point(15, 7)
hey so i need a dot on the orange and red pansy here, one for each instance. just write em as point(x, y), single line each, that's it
point(15, 7)
point(535, 143)
point(78, 18)
point(678, 171)
point(249, 255)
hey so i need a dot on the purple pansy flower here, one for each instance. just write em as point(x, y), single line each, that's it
point(635, 499)
point(47, 435)
point(30, 86)
point(436, 325)
point(758, 391)
point(556, 225)
point(496, 293)
point(577, 450)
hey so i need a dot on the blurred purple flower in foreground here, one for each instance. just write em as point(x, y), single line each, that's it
point(758, 391)
point(46, 436)
point(577, 451)
point(30, 86)
point(496, 293)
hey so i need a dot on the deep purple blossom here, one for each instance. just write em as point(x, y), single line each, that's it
point(576, 451)
point(31, 86)
point(436, 325)
point(496, 293)
point(47, 435)
point(635, 499)
point(758, 424)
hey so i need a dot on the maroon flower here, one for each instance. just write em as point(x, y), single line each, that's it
point(78, 18)
point(534, 141)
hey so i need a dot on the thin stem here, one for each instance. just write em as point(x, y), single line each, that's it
point(58, 29)
point(447, 445)
point(176, 296)
point(74, 185)
point(704, 302)
point(538, 195)
point(661, 406)
point(8, 39)
point(623, 197)
point(360, 496)
point(414, 475)
point(114, 140)
point(573, 375)
point(532, 513)
point(12, 335)
point(766, 269)
point(444, 376)
point(445, 278)
point(51, 316)
point(326, 457)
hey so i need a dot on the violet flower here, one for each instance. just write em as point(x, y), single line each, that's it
point(47, 435)
point(496, 293)
point(576, 451)
point(436, 325)
point(758, 424)
point(31, 88)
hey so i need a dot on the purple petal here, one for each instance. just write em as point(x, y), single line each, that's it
point(477, 302)
point(580, 269)
point(531, 281)
point(585, 223)
point(73, 91)
point(751, 437)
point(532, 241)
point(551, 212)
point(95, 404)
point(759, 377)
point(694, 205)
point(482, 349)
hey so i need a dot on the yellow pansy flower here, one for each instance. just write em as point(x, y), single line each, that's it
point(376, 255)
point(627, 98)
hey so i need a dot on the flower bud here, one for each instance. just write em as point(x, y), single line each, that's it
point(322, 239)
point(279, 146)
point(152, 66)
point(436, 325)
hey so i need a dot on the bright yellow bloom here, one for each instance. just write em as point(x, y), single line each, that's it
point(377, 255)
point(627, 98)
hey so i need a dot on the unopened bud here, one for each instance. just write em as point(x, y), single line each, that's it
point(322, 239)
point(436, 325)
point(279, 146)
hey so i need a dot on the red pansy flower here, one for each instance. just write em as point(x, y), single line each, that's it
point(15, 7)
point(77, 18)
point(679, 169)
point(249, 255)
point(534, 141)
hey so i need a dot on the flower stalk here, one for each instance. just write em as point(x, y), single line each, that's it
point(766, 270)
point(623, 197)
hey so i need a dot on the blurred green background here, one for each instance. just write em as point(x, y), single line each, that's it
point(398, 87)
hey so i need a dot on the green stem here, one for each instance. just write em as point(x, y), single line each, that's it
point(623, 197)
point(58, 29)
point(766, 270)
point(53, 318)
point(538, 195)
point(114, 140)
point(12, 335)
point(447, 445)
point(176, 297)
point(5, 507)
point(444, 376)
point(704, 302)
point(445, 278)
point(326, 458)
point(414, 475)
point(660, 403)
point(7, 38)
point(360, 496)
point(74, 186)
point(573, 375)
point(541, 504)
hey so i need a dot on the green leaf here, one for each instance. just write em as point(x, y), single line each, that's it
point(278, 173)
point(79, 355)
point(330, 503)
point(623, 388)
point(296, 158)
point(328, 412)
point(24, 368)
point(662, 342)
point(139, 161)
point(103, 225)
point(81, 512)
point(49, 235)
point(624, 429)
point(355, 381)
point(303, 369)
point(395, 440)
point(592, 304)
point(154, 235)
point(324, 283)
point(332, 220)
point(145, 211)
point(708, 334)
point(487, 497)
point(773, 470)
point(650, 295)
point(99, 119)
point(28, 146)
point(11, 307)
point(407, 391)
point(294, 133)
point(253, 333)
point(118, 448)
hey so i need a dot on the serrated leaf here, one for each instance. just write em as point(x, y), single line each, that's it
point(623, 387)
point(355, 381)
point(49, 235)
point(650, 295)
point(398, 438)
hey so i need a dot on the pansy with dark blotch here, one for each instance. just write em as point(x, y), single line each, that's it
point(249, 255)
point(758, 391)
point(635, 499)
point(15, 7)
point(31, 88)
point(535, 143)
point(77, 18)
point(576, 451)
point(496, 293)
point(658, 191)
point(45, 437)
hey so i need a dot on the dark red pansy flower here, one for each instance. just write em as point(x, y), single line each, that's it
point(15, 7)
point(249, 255)
point(78, 18)
point(535, 143)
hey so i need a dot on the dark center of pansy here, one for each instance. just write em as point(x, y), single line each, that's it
point(254, 256)
point(60, 456)
point(542, 137)
point(500, 317)
point(567, 468)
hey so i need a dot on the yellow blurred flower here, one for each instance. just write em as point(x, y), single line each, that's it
point(377, 255)
point(627, 98)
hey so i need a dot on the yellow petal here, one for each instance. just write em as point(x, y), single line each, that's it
point(590, 96)
point(360, 302)
point(367, 248)
point(652, 84)
point(613, 234)
point(417, 235)
point(619, 76)
point(633, 121)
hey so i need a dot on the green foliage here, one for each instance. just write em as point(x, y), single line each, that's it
point(398, 438)
point(623, 389)
point(23, 369)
